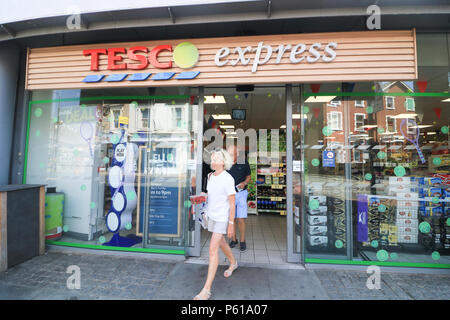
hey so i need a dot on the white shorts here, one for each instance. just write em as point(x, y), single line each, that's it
point(241, 204)
point(217, 226)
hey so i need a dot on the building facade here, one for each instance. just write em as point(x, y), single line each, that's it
point(113, 110)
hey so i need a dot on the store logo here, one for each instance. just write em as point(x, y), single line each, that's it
point(185, 55)
point(263, 53)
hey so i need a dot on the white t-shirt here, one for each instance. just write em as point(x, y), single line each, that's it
point(219, 188)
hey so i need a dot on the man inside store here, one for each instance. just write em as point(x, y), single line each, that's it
point(242, 176)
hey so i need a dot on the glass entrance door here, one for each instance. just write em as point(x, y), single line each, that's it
point(168, 167)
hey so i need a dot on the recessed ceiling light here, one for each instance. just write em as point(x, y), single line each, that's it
point(297, 116)
point(446, 100)
point(216, 99)
point(283, 126)
point(319, 99)
point(222, 116)
point(231, 126)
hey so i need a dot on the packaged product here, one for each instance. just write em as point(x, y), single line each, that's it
point(321, 210)
point(317, 230)
point(399, 181)
point(408, 196)
point(322, 199)
point(318, 240)
point(404, 213)
point(407, 230)
point(431, 211)
point(412, 223)
point(317, 220)
point(407, 238)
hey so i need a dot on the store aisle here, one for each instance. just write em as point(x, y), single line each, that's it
point(265, 239)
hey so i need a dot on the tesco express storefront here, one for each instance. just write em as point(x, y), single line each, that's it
point(115, 132)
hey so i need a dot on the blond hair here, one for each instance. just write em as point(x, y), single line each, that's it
point(223, 156)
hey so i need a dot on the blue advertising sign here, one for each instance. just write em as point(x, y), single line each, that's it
point(328, 159)
point(163, 204)
point(363, 226)
point(164, 212)
point(163, 217)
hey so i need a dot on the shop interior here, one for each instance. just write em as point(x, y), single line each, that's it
point(260, 110)
point(395, 150)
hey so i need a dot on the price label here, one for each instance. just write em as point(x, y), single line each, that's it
point(277, 186)
point(274, 164)
point(276, 199)
point(283, 212)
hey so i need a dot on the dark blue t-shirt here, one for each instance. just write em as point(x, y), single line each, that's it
point(240, 172)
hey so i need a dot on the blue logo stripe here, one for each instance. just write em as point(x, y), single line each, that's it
point(163, 76)
point(93, 78)
point(139, 76)
point(116, 77)
point(188, 75)
point(142, 76)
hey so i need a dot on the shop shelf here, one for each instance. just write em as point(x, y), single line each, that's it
point(270, 197)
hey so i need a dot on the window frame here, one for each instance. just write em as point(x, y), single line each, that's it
point(406, 104)
point(393, 103)
point(354, 119)
point(360, 105)
point(334, 105)
point(387, 124)
point(329, 120)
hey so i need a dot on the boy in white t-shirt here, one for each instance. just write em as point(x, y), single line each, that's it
point(220, 212)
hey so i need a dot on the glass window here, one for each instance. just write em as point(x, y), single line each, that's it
point(334, 103)
point(334, 119)
point(390, 103)
point(394, 177)
point(409, 104)
point(359, 121)
point(359, 103)
point(103, 154)
point(391, 124)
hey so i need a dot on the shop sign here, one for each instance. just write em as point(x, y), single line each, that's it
point(263, 53)
point(185, 55)
point(270, 59)
point(328, 158)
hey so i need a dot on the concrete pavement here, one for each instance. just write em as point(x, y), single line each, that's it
point(107, 277)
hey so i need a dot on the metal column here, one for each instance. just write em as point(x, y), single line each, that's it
point(9, 73)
